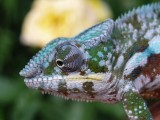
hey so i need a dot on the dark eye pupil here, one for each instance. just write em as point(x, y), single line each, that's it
point(59, 63)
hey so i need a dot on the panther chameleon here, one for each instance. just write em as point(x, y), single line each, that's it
point(113, 61)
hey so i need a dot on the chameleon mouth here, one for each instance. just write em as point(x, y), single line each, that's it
point(55, 80)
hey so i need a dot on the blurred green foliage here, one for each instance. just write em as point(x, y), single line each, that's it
point(17, 102)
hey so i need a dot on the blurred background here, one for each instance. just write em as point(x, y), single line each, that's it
point(25, 27)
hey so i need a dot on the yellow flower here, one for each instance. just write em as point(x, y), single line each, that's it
point(49, 19)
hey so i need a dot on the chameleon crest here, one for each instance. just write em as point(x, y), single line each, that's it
point(113, 61)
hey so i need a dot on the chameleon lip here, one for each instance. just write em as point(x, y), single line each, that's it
point(42, 79)
point(72, 77)
point(35, 82)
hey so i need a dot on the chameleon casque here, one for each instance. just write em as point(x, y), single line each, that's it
point(113, 61)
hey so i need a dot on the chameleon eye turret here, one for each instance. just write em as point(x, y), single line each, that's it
point(68, 57)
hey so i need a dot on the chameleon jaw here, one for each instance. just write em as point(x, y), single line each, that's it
point(91, 87)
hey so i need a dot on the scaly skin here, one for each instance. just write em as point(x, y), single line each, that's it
point(114, 61)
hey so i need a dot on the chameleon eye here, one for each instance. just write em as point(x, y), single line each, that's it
point(59, 63)
point(69, 58)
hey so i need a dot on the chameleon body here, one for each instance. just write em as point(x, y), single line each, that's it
point(113, 61)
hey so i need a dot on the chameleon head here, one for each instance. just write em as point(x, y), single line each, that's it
point(61, 68)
